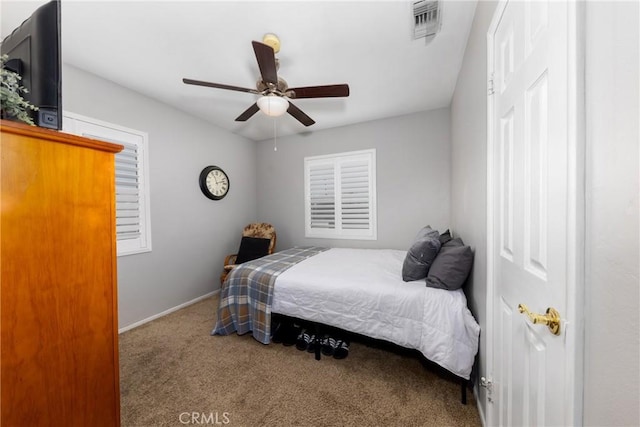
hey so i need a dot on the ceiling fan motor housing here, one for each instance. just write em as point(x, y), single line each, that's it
point(282, 87)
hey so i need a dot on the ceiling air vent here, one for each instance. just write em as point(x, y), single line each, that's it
point(426, 19)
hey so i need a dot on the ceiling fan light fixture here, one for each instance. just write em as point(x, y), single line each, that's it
point(273, 105)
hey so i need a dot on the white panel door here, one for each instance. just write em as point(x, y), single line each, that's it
point(532, 197)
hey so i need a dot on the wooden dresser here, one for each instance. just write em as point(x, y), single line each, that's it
point(58, 295)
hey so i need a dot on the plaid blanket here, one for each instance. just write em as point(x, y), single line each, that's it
point(245, 300)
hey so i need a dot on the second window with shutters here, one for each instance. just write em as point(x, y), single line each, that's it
point(340, 195)
point(133, 224)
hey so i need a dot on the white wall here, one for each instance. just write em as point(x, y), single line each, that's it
point(412, 154)
point(612, 342)
point(191, 234)
point(469, 168)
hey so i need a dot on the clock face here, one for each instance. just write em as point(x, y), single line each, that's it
point(214, 182)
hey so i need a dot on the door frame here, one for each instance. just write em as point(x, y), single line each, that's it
point(576, 205)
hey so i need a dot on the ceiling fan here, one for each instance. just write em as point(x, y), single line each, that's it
point(275, 93)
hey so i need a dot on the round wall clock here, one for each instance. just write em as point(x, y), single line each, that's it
point(214, 182)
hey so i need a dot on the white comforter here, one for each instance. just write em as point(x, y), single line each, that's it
point(362, 291)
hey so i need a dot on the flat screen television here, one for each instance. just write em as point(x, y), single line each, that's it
point(34, 53)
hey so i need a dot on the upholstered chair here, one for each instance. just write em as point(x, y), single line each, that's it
point(253, 245)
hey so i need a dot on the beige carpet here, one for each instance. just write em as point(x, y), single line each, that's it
point(173, 373)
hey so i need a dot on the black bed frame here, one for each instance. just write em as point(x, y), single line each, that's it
point(464, 383)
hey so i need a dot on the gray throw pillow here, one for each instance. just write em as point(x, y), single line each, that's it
point(419, 258)
point(426, 232)
point(451, 267)
point(453, 242)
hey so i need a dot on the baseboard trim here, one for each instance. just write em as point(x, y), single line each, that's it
point(164, 313)
point(480, 409)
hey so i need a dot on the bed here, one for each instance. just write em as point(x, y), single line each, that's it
point(358, 290)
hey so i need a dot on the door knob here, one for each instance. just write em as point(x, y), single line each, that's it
point(551, 318)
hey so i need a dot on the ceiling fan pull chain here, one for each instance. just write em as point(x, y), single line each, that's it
point(275, 136)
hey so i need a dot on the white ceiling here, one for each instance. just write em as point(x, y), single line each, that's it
point(149, 46)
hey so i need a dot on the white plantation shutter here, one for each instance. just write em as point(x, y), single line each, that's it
point(355, 197)
point(322, 190)
point(128, 224)
point(340, 196)
point(133, 226)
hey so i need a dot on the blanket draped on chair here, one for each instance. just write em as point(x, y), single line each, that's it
point(247, 295)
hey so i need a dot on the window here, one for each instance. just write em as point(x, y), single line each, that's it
point(133, 226)
point(340, 195)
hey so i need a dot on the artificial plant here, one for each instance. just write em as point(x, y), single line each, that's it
point(12, 104)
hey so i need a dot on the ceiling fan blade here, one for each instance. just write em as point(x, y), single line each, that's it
point(300, 115)
point(219, 86)
point(266, 58)
point(327, 91)
point(248, 113)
